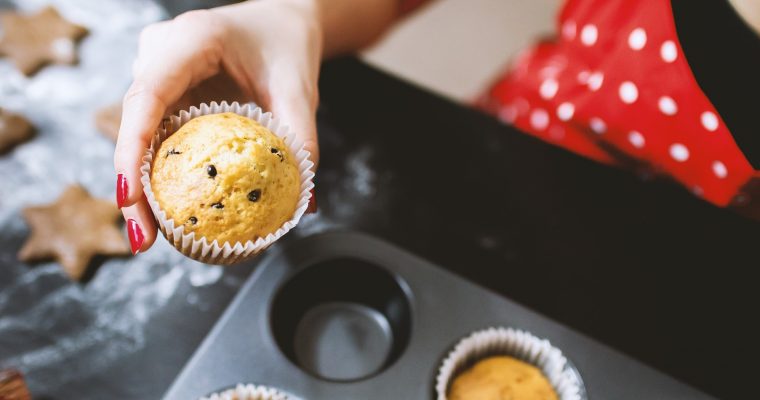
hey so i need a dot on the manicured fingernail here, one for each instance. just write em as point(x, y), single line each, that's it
point(136, 237)
point(312, 208)
point(122, 190)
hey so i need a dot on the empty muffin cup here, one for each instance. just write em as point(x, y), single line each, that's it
point(249, 392)
point(210, 250)
point(342, 320)
point(523, 346)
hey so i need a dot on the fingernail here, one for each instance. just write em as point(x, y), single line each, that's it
point(136, 237)
point(312, 208)
point(122, 190)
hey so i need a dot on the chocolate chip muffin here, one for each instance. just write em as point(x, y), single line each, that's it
point(501, 377)
point(227, 178)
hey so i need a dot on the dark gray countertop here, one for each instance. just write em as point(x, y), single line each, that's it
point(639, 265)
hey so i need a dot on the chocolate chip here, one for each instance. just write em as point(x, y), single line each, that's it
point(172, 152)
point(254, 195)
point(193, 220)
point(218, 205)
point(211, 170)
point(275, 150)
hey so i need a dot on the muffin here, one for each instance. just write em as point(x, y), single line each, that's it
point(249, 392)
point(226, 177)
point(501, 377)
point(507, 363)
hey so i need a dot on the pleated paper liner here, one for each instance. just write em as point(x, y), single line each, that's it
point(519, 344)
point(249, 392)
point(205, 249)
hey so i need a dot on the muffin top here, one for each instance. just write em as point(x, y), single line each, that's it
point(501, 377)
point(226, 177)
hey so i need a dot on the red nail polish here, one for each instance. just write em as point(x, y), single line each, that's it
point(136, 237)
point(312, 208)
point(122, 190)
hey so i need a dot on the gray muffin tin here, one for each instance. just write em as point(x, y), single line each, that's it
point(347, 316)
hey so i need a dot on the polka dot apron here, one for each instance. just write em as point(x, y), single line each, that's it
point(614, 86)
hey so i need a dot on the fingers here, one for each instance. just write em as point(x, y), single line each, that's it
point(141, 227)
point(297, 107)
point(142, 113)
point(173, 56)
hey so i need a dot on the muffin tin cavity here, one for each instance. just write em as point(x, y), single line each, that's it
point(342, 315)
point(342, 319)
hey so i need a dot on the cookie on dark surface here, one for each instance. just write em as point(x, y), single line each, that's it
point(108, 120)
point(12, 386)
point(34, 40)
point(14, 129)
point(72, 230)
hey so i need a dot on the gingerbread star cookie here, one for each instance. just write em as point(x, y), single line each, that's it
point(14, 129)
point(12, 386)
point(72, 230)
point(108, 119)
point(31, 41)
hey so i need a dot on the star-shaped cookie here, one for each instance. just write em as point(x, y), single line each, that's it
point(12, 386)
point(34, 40)
point(14, 129)
point(72, 230)
point(108, 119)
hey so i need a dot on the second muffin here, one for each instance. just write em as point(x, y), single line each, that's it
point(501, 377)
point(226, 177)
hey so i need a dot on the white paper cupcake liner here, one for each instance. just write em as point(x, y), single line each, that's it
point(249, 392)
point(518, 344)
point(200, 248)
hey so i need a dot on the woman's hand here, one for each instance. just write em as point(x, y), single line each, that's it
point(266, 51)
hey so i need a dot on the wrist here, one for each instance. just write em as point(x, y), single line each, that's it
point(300, 15)
point(309, 12)
point(348, 27)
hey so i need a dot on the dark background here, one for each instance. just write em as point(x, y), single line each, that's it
point(643, 266)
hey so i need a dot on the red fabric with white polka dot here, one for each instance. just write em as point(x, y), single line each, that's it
point(614, 86)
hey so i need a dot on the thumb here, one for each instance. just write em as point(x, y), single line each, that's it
point(297, 108)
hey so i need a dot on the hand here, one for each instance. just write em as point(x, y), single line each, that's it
point(267, 51)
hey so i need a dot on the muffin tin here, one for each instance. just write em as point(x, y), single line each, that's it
point(344, 315)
